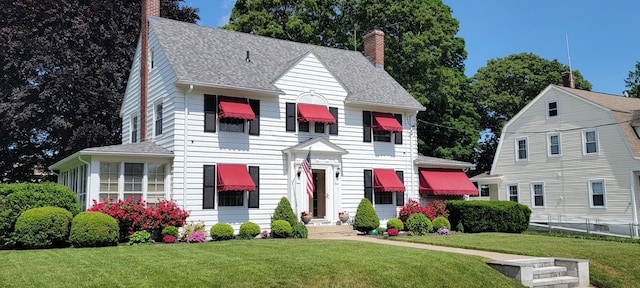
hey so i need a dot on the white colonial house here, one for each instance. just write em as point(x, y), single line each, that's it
point(227, 119)
point(571, 156)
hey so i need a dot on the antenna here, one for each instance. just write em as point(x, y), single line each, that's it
point(571, 83)
point(355, 38)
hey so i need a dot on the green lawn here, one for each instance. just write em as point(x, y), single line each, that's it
point(255, 263)
point(611, 264)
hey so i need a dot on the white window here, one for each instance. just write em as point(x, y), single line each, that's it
point(537, 194)
point(552, 108)
point(596, 193)
point(522, 149)
point(133, 127)
point(158, 119)
point(553, 140)
point(133, 173)
point(590, 140)
point(109, 173)
point(155, 183)
point(513, 192)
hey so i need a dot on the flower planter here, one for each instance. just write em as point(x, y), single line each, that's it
point(344, 217)
point(305, 219)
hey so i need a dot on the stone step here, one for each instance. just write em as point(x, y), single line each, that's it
point(537, 262)
point(556, 282)
point(549, 271)
point(330, 231)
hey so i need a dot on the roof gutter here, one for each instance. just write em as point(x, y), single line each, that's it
point(209, 85)
point(184, 149)
point(412, 108)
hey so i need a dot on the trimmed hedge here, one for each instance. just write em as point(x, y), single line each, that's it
point(489, 216)
point(284, 212)
point(299, 231)
point(281, 229)
point(43, 227)
point(366, 217)
point(440, 222)
point(19, 197)
point(221, 231)
point(94, 229)
point(395, 223)
point(419, 224)
point(248, 230)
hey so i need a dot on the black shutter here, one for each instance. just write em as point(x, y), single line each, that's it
point(209, 187)
point(333, 128)
point(254, 125)
point(368, 184)
point(210, 112)
point(319, 127)
point(291, 117)
point(400, 195)
point(366, 126)
point(254, 197)
point(398, 134)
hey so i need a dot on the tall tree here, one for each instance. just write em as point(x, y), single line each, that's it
point(633, 82)
point(422, 53)
point(505, 86)
point(64, 68)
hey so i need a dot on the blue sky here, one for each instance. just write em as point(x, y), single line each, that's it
point(604, 36)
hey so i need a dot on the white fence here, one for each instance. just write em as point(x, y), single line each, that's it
point(584, 225)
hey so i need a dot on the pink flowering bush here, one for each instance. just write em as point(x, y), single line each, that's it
point(393, 232)
point(432, 210)
point(197, 237)
point(133, 215)
point(169, 239)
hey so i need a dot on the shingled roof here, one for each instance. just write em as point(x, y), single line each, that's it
point(623, 108)
point(216, 58)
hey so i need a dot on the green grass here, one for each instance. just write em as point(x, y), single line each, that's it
point(611, 264)
point(255, 263)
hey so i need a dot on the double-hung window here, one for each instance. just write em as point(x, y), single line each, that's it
point(553, 140)
point(552, 109)
point(133, 127)
point(537, 191)
point(158, 119)
point(596, 191)
point(590, 138)
point(133, 173)
point(513, 192)
point(522, 149)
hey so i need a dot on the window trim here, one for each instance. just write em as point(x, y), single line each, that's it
point(549, 135)
point(517, 192)
point(533, 195)
point(156, 118)
point(584, 142)
point(134, 134)
point(517, 148)
point(548, 110)
point(604, 194)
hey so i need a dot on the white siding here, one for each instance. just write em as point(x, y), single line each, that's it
point(131, 100)
point(566, 177)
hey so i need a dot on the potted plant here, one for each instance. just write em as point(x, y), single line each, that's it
point(305, 216)
point(343, 216)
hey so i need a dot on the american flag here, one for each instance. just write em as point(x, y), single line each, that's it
point(306, 168)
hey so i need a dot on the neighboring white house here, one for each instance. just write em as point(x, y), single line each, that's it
point(570, 155)
point(229, 117)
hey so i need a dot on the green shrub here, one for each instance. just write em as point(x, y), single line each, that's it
point(460, 227)
point(248, 230)
point(43, 227)
point(440, 222)
point(221, 231)
point(395, 223)
point(366, 217)
point(489, 216)
point(284, 212)
point(141, 237)
point(419, 224)
point(192, 228)
point(94, 229)
point(19, 197)
point(170, 230)
point(281, 229)
point(299, 231)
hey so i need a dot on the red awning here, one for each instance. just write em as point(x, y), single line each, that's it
point(234, 177)
point(386, 122)
point(386, 180)
point(437, 182)
point(314, 113)
point(231, 107)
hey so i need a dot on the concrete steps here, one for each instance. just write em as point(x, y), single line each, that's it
point(328, 231)
point(546, 272)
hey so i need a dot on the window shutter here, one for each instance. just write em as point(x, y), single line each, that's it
point(291, 117)
point(368, 184)
point(210, 112)
point(254, 197)
point(333, 128)
point(400, 195)
point(209, 187)
point(366, 126)
point(254, 125)
point(398, 135)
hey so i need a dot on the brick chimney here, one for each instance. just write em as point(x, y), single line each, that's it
point(567, 80)
point(374, 47)
point(150, 8)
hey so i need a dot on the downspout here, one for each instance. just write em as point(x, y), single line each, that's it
point(634, 208)
point(184, 150)
point(413, 125)
point(87, 189)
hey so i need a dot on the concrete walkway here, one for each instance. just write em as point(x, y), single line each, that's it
point(485, 254)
